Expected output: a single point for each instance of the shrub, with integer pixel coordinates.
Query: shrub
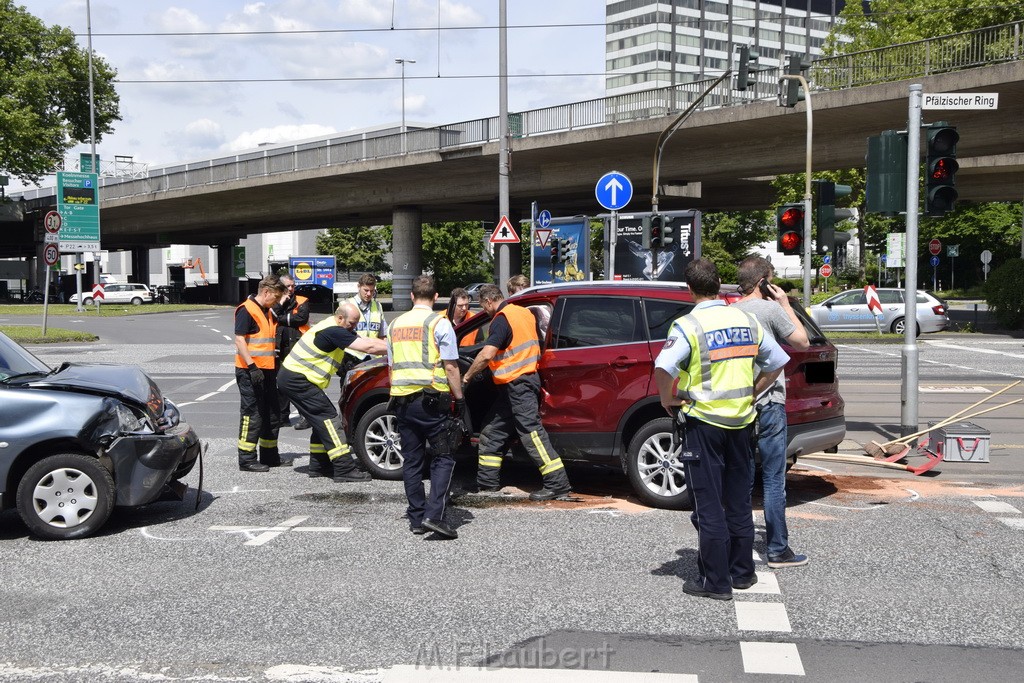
(384, 287)
(1004, 293)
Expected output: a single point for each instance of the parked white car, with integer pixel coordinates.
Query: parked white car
(849, 311)
(133, 293)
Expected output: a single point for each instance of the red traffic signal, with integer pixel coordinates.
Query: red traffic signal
(790, 225)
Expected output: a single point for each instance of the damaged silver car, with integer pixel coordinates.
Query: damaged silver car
(79, 439)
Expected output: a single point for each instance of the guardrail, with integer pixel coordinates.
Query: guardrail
(970, 49)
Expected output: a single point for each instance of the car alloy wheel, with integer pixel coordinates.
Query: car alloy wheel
(654, 469)
(66, 496)
(379, 444)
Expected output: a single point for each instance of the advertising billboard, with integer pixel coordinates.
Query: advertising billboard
(635, 262)
(575, 231)
(312, 270)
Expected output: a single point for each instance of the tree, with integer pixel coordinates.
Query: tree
(44, 94)
(359, 249)
(737, 233)
(454, 252)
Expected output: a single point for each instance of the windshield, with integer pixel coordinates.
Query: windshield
(15, 360)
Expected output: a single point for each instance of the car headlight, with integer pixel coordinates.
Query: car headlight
(133, 422)
(171, 416)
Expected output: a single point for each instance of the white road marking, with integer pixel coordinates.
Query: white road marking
(228, 338)
(997, 507)
(268, 536)
(972, 349)
(146, 534)
(837, 507)
(235, 489)
(771, 658)
(926, 360)
(945, 389)
(1013, 522)
(259, 535)
(420, 674)
(215, 330)
(914, 495)
(206, 396)
(762, 616)
(227, 386)
(767, 584)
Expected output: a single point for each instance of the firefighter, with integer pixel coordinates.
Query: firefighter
(458, 313)
(511, 352)
(715, 360)
(304, 376)
(423, 357)
(292, 322)
(256, 375)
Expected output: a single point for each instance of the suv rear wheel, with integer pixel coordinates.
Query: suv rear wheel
(378, 443)
(654, 470)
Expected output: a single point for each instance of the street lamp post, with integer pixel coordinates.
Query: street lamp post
(403, 62)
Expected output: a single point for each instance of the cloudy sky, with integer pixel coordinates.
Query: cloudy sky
(164, 50)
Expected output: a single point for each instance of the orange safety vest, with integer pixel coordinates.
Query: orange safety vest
(299, 300)
(522, 354)
(470, 338)
(262, 345)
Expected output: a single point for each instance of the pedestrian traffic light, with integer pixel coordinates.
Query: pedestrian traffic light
(826, 214)
(789, 219)
(790, 90)
(746, 68)
(885, 190)
(940, 169)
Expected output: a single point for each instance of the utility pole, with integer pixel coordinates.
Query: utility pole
(909, 353)
(807, 185)
(503, 257)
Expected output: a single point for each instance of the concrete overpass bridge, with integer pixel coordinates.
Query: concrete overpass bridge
(722, 158)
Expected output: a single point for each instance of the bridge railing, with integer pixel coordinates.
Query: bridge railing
(954, 52)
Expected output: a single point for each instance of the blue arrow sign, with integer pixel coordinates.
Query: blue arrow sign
(613, 191)
(935, 261)
(826, 259)
(544, 218)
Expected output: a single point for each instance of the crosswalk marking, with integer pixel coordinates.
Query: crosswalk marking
(767, 584)
(1013, 522)
(997, 507)
(762, 616)
(771, 658)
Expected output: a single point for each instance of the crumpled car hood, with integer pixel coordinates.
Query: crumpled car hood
(127, 382)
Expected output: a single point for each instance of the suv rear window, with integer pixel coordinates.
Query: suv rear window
(661, 313)
(596, 321)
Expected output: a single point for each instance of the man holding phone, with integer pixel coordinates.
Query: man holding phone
(770, 305)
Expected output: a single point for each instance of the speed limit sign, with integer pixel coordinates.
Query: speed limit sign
(52, 222)
(51, 254)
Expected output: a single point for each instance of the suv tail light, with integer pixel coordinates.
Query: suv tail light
(939, 310)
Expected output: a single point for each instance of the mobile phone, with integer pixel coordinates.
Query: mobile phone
(766, 291)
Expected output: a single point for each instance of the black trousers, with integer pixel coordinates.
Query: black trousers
(326, 435)
(720, 486)
(418, 423)
(258, 424)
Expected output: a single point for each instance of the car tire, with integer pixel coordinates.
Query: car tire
(88, 301)
(66, 496)
(898, 327)
(377, 443)
(654, 472)
(136, 301)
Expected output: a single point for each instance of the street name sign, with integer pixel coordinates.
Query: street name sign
(960, 100)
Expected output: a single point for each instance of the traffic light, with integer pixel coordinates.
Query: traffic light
(790, 221)
(790, 90)
(563, 250)
(645, 232)
(940, 169)
(746, 68)
(668, 233)
(826, 214)
(885, 190)
(555, 251)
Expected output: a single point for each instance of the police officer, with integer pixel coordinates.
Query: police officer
(292, 322)
(511, 352)
(715, 360)
(304, 376)
(423, 356)
(371, 317)
(256, 376)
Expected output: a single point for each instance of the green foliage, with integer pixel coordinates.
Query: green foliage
(736, 232)
(723, 259)
(44, 94)
(357, 250)
(455, 253)
(385, 287)
(1004, 293)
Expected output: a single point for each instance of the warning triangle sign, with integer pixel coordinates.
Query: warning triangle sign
(541, 236)
(504, 233)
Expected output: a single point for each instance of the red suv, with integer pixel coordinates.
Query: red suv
(599, 402)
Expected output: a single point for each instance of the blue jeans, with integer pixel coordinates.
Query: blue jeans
(771, 444)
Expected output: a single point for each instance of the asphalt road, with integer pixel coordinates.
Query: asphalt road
(279, 577)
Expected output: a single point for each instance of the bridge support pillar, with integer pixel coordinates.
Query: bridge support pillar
(407, 250)
(140, 265)
(228, 286)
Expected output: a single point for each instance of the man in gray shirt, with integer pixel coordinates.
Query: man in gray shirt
(770, 305)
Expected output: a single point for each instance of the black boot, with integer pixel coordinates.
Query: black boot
(320, 465)
(345, 470)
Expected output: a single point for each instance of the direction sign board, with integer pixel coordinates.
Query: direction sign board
(934, 247)
(78, 204)
(504, 233)
(894, 244)
(935, 261)
(826, 270)
(544, 218)
(51, 254)
(986, 256)
(613, 190)
(960, 100)
(52, 222)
